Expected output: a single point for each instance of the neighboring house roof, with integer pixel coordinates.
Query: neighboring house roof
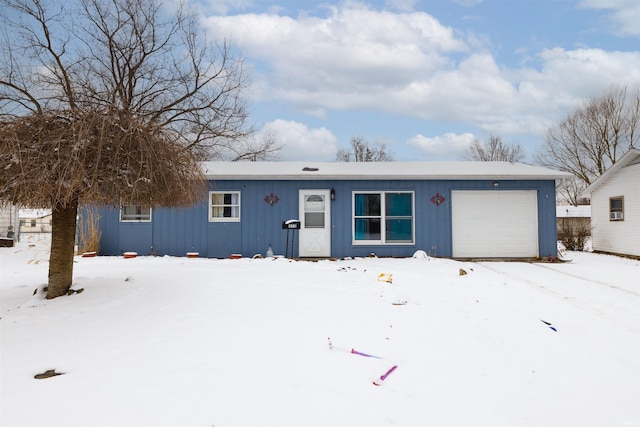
(33, 213)
(630, 158)
(582, 211)
(377, 170)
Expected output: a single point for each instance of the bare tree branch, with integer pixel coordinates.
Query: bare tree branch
(494, 150)
(115, 106)
(593, 137)
(362, 151)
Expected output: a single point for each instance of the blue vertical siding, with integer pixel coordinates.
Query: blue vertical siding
(178, 231)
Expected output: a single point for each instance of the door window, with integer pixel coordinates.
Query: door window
(314, 206)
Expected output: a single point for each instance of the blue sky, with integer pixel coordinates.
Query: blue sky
(423, 77)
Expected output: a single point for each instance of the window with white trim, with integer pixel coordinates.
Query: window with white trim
(383, 217)
(616, 209)
(224, 206)
(135, 213)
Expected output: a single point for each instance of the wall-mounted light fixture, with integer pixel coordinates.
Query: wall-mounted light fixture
(333, 194)
(496, 184)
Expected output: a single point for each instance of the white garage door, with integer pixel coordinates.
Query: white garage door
(495, 224)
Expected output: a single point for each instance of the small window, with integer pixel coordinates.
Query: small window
(383, 218)
(616, 209)
(314, 210)
(224, 206)
(134, 213)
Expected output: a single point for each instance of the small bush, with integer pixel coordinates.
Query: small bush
(574, 235)
(88, 231)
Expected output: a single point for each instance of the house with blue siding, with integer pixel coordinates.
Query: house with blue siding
(309, 209)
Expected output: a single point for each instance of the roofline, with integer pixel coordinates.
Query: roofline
(625, 160)
(307, 171)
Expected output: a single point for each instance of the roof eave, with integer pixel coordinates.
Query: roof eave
(386, 177)
(629, 157)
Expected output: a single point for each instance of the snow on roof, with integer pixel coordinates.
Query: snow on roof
(33, 213)
(582, 211)
(377, 170)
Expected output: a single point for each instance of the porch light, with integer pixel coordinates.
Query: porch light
(333, 194)
(496, 184)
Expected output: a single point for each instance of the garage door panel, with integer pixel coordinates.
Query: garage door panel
(495, 224)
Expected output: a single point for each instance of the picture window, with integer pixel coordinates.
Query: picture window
(383, 218)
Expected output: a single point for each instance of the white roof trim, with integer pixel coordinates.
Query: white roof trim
(582, 211)
(34, 213)
(629, 157)
(377, 170)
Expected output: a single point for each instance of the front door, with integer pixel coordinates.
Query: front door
(315, 223)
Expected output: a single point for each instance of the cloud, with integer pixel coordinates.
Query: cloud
(299, 142)
(356, 58)
(445, 147)
(624, 14)
(349, 52)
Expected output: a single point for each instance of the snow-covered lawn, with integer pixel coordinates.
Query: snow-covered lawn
(199, 342)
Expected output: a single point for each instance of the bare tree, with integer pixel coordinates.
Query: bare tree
(569, 191)
(362, 151)
(493, 150)
(109, 102)
(593, 137)
(253, 148)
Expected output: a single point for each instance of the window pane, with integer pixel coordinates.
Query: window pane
(367, 229)
(615, 204)
(398, 204)
(314, 220)
(367, 205)
(217, 211)
(135, 213)
(314, 203)
(399, 230)
(217, 198)
(128, 211)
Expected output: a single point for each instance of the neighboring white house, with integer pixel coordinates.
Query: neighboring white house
(35, 220)
(615, 207)
(8, 223)
(571, 219)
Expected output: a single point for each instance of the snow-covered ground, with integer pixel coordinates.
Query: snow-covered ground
(198, 342)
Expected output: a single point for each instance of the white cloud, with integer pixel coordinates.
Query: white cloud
(301, 143)
(408, 64)
(566, 77)
(350, 52)
(624, 14)
(448, 146)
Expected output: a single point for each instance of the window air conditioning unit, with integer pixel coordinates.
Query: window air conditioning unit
(615, 215)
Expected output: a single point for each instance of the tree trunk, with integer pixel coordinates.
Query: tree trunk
(63, 239)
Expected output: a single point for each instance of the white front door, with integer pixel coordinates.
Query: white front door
(315, 223)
